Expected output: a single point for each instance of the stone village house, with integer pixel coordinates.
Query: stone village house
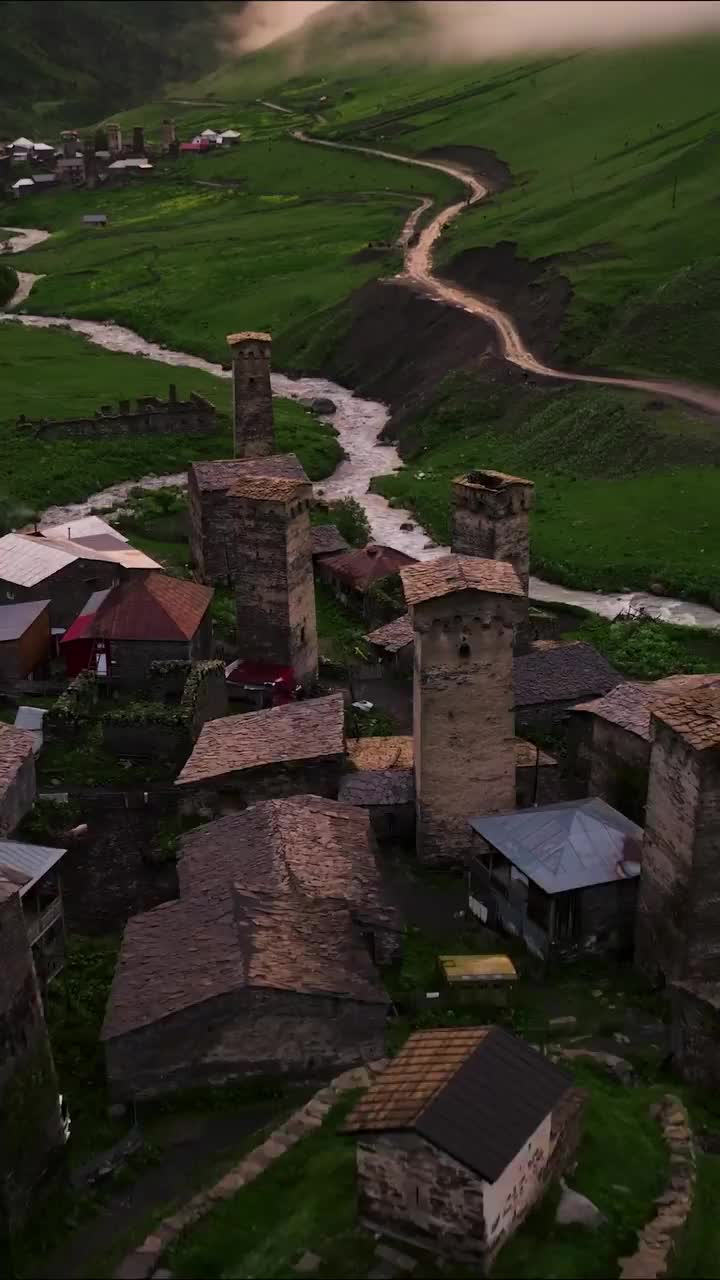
(460, 1138)
(288, 750)
(267, 963)
(35, 871)
(18, 786)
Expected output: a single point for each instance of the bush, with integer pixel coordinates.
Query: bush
(351, 521)
(8, 283)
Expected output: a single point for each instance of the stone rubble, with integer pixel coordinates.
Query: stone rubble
(656, 1241)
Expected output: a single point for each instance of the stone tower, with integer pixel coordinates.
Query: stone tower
(31, 1137)
(490, 513)
(114, 138)
(168, 133)
(253, 429)
(677, 933)
(275, 592)
(138, 144)
(463, 610)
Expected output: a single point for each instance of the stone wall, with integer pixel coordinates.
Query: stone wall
(151, 416)
(233, 791)
(241, 1034)
(130, 660)
(19, 797)
(653, 1256)
(464, 727)
(275, 592)
(551, 786)
(31, 1139)
(695, 1037)
(619, 763)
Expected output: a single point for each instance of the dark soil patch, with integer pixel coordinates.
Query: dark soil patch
(479, 161)
(396, 345)
(534, 292)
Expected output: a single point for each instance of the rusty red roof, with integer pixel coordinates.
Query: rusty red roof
(361, 566)
(155, 607)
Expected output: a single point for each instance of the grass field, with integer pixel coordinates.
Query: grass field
(55, 374)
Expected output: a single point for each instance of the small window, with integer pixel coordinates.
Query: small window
(464, 649)
(302, 635)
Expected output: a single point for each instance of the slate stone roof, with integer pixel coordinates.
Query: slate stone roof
(15, 747)
(263, 488)
(224, 472)
(561, 673)
(380, 753)
(394, 635)
(370, 787)
(493, 480)
(694, 717)
(476, 1093)
(268, 899)
(297, 731)
(327, 540)
(359, 567)
(155, 607)
(249, 336)
(629, 705)
(433, 578)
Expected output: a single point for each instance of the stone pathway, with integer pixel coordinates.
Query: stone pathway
(144, 1261)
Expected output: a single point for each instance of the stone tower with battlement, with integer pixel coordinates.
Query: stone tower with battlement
(275, 591)
(114, 139)
(464, 611)
(490, 514)
(31, 1136)
(677, 933)
(253, 428)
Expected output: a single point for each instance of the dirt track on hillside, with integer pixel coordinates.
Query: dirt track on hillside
(418, 273)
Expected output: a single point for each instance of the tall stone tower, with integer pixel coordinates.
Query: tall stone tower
(31, 1137)
(677, 933)
(253, 428)
(275, 589)
(463, 610)
(490, 513)
(167, 133)
(138, 144)
(114, 138)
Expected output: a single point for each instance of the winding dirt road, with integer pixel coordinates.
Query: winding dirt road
(418, 271)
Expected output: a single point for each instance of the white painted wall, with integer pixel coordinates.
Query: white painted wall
(518, 1185)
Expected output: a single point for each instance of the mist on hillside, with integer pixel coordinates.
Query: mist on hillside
(467, 30)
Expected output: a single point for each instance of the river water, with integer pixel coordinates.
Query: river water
(359, 423)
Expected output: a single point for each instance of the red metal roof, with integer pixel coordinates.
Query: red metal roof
(155, 607)
(362, 566)
(247, 672)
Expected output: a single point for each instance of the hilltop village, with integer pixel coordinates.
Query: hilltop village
(264, 946)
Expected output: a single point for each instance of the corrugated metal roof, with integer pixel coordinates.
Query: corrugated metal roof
(26, 561)
(25, 864)
(560, 847)
(16, 618)
(83, 527)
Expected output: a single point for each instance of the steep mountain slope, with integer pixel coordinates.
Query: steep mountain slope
(66, 62)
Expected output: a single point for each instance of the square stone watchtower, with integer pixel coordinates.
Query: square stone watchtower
(253, 427)
(463, 611)
(275, 589)
(490, 513)
(677, 932)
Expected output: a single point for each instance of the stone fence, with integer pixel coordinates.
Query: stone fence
(657, 1239)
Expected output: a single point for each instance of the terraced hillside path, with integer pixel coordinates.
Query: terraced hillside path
(418, 271)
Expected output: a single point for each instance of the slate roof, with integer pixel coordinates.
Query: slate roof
(16, 618)
(267, 900)
(297, 731)
(571, 845)
(394, 635)
(327, 540)
(369, 787)
(24, 864)
(380, 753)
(224, 472)
(155, 607)
(359, 567)
(561, 673)
(477, 1093)
(694, 716)
(263, 488)
(629, 705)
(250, 335)
(433, 578)
(15, 747)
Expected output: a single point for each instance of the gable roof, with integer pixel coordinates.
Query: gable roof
(369, 787)
(394, 635)
(431, 579)
(223, 473)
(359, 567)
(24, 864)
(267, 900)
(561, 673)
(15, 747)
(695, 717)
(476, 1093)
(629, 705)
(326, 540)
(296, 731)
(81, 528)
(571, 845)
(155, 607)
(16, 618)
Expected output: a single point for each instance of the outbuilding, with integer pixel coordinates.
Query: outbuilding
(459, 1138)
(24, 638)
